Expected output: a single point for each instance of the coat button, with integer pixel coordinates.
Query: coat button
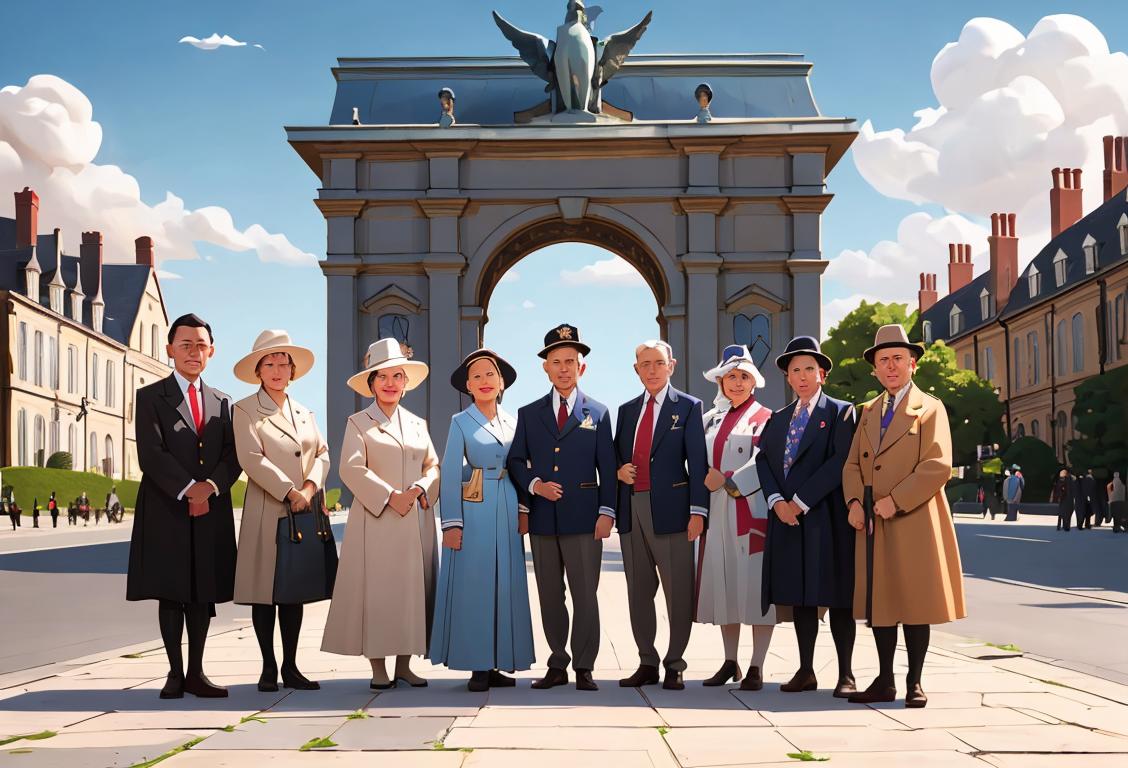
(865, 454)
(740, 450)
(199, 445)
(556, 449)
(297, 453)
(556, 469)
(201, 461)
(878, 467)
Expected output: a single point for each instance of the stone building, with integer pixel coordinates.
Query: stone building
(1038, 333)
(721, 218)
(81, 336)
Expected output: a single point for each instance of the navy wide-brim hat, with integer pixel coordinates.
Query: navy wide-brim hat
(461, 374)
(563, 335)
(804, 345)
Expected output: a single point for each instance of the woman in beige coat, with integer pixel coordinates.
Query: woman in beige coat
(285, 459)
(902, 453)
(384, 597)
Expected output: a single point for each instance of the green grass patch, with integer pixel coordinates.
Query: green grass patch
(175, 751)
(321, 743)
(20, 751)
(663, 730)
(253, 718)
(358, 715)
(806, 756)
(131, 656)
(1006, 647)
(29, 736)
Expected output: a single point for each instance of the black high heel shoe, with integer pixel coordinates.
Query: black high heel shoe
(292, 678)
(730, 670)
(268, 680)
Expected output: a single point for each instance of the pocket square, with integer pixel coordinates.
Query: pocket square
(587, 423)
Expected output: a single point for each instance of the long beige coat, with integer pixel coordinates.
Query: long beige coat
(385, 592)
(277, 456)
(917, 574)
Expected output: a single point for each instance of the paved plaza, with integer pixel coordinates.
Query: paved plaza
(988, 706)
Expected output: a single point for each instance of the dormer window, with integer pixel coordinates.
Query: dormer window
(1059, 269)
(1122, 228)
(1090, 249)
(955, 321)
(985, 304)
(926, 329)
(1034, 281)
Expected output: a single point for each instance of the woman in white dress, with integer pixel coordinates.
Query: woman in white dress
(731, 553)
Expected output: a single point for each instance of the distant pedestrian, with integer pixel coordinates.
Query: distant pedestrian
(35, 512)
(1064, 495)
(1116, 503)
(9, 510)
(1088, 501)
(53, 508)
(981, 499)
(1012, 492)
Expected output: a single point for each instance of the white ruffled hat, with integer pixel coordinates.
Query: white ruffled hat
(735, 357)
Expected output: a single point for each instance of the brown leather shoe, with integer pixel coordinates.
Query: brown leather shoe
(551, 679)
(915, 698)
(498, 680)
(846, 687)
(644, 675)
(803, 680)
(674, 681)
(584, 681)
(173, 687)
(878, 691)
(479, 682)
(730, 670)
(752, 681)
(200, 686)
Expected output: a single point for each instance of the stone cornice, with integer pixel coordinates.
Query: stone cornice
(705, 204)
(807, 266)
(336, 207)
(807, 203)
(704, 145)
(438, 207)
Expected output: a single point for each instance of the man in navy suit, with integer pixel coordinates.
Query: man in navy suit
(563, 455)
(663, 507)
(809, 551)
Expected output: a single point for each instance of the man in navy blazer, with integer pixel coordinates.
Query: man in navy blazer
(663, 508)
(809, 550)
(562, 454)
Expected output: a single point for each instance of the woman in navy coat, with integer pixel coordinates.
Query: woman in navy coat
(809, 553)
(482, 622)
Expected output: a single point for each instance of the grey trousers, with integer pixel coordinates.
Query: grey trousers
(578, 557)
(648, 557)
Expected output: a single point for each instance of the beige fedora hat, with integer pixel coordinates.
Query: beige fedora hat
(892, 335)
(387, 353)
(267, 343)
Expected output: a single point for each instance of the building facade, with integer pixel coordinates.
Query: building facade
(1038, 334)
(721, 218)
(81, 337)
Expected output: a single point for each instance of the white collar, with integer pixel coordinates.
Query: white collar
(658, 398)
(812, 402)
(571, 399)
(184, 384)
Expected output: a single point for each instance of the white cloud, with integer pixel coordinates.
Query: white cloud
(526, 304)
(1009, 108)
(214, 41)
(512, 276)
(166, 275)
(606, 272)
(48, 141)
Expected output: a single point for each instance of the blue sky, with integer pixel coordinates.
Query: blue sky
(207, 125)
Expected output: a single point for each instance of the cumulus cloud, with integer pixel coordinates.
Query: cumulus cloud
(526, 304)
(214, 41)
(48, 141)
(1009, 108)
(606, 272)
(512, 276)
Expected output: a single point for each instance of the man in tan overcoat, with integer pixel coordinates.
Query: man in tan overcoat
(907, 559)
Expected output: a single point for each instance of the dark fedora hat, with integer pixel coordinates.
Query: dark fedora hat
(461, 374)
(804, 345)
(892, 335)
(563, 335)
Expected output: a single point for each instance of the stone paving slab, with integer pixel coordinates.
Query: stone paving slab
(648, 740)
(279, 733)
(87, 757)
(336, 698)
(1040, 738)
(838, 740)
(441, 698)
(698, 747)
(388, 734)
(1054, 761)
(517, 758)
(328, 759)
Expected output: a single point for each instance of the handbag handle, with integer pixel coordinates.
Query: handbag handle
(294, 535)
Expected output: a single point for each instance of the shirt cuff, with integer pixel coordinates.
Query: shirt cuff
(699, 511)
(607, 512)
(522, 509)
(180, 496)
(452, 524)
(799, 503)
(773, 499)
(215, 488)
(533, 485)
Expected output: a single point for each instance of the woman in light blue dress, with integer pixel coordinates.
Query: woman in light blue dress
(482, 623)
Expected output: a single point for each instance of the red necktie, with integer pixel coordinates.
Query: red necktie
(194, 404)
(562, 415)
(643, 440)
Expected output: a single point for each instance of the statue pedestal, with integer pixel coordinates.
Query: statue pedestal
(577, 117)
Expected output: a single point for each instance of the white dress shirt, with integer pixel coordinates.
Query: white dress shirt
(570, 404)
(810, 410)
(184, 386)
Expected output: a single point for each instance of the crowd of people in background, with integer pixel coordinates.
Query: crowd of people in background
(80, 507)
(1089, 501)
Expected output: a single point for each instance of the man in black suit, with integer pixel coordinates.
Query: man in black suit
(183, 548)
(1088, 501)
(809, 552)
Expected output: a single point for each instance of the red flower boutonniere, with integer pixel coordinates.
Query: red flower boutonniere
(822, 425)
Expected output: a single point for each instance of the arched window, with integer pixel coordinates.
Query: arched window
(1035, 359)
(21, 352)
(1019, 431)
(72, 442)
(72, 368)
(1017, 361)
(53, 363)
(989, 363)
(926, 329)
(53, 433)
(94, 378)
(1060, 351)
(109, 461)
(92, 457)
(1078, 343)
(21, 438)
(38, 359)
(156, 341)
(40, 442)
(755, 333)
(1035, 429)
(1122, 228)
(110, 398)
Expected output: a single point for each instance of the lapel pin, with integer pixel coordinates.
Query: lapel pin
(675, 418)
(822, 425)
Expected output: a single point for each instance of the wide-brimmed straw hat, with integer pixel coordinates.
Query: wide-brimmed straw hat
(461, 374)
(268, 343)
(735, 357)
(387, 353)
(892, 335)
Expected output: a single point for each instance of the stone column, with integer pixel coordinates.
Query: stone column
(805, 263)
(674, 315)
(443, 265)
(342, 356)
(702, 268)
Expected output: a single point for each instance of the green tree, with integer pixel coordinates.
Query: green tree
(852, 378)
(60, 460)
(1102, 419)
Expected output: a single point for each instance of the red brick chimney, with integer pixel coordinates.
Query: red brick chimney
(27, 217)
(1004, 258)
(1065, 200)
(144, 249)
(927, 295)
(1115, 165)
(90, 264)
(959, 266)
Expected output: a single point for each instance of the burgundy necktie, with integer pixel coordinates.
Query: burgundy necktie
(562, 415)
(643, 440)
(194, 404)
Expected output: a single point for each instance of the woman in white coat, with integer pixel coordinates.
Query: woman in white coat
(285, 459)
(384, 596)
(731, 553)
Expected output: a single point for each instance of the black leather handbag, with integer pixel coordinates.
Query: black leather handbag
(306, 565)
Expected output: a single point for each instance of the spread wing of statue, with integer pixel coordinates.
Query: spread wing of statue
(576, 65)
